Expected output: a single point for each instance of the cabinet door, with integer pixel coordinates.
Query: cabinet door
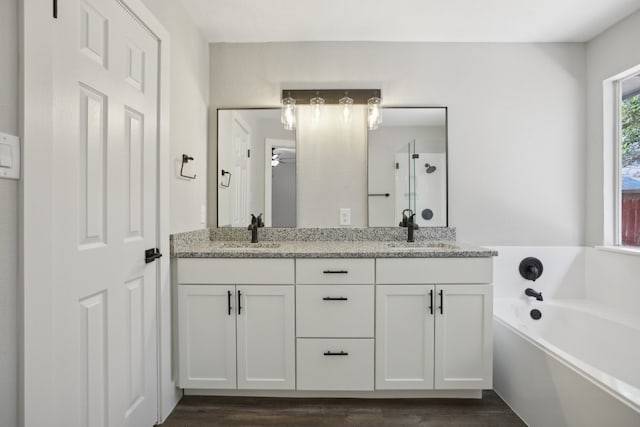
(464, 328)
(207, 331)
(266, 337)
(404, 337)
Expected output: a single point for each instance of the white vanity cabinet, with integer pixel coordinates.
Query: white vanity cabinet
(434, 336)
(362, 326)
(245, 329)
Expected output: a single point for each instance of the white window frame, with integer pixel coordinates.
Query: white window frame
(612, 97)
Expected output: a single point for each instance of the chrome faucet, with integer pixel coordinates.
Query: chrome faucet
(532, 293)
(255, 223)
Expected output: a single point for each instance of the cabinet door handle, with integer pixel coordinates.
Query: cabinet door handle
(335, 299)
(331, 353)
(335, 272)
(441, 302)
(229, 302)
(239, 304)
(431, 301)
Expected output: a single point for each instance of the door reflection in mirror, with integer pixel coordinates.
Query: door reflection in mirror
(246, 138)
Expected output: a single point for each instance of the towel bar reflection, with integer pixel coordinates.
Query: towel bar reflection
(223, 173)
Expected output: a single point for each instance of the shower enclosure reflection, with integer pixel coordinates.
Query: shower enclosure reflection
(409, 151)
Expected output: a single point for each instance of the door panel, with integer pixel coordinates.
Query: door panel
(404, 337)
(266, 337)
(464, 337)
(207, 334)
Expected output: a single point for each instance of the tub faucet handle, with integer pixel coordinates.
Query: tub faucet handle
(531, 268)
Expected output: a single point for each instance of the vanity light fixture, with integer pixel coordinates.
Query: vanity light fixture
(275, 158)
(346, 102)
(374, 116)
(316, 105)
(316, 98)
(288, 112)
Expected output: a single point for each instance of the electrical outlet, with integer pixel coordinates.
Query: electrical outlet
(345, 216)
(203, 214)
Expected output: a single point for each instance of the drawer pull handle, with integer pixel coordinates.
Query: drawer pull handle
(441, 302)
(431, 302)
(239, 304)
(335, 299)
(229, 302)
(335, 272)
(331, 353)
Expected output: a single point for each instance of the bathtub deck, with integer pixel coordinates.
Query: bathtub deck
(200, 411)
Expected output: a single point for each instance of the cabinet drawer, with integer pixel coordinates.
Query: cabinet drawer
(236, 271)
(334, 271)
(335, 364)
(335, 311)
(434, 270)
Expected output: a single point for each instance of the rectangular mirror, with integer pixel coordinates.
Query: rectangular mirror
(407, 160)
(332, 165)
(256, 168)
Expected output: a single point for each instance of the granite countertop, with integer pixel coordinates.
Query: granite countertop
(331, 249)
(324, 243)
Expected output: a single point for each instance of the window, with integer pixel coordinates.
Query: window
(628, 146)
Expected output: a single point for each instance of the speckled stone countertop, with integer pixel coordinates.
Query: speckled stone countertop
(324, 243)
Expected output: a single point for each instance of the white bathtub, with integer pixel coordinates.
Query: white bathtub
(579, 365)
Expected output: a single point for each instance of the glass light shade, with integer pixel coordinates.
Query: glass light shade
(288, 113)
(316, 105)
(374, 116)
(346, 103)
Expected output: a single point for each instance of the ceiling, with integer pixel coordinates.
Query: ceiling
(242, 21)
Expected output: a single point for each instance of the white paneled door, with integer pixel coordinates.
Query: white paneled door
(105, 197)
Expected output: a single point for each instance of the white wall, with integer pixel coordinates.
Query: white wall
(612, 280)
(563, 272)
(612, 52)
(8, 218)
(331, 168)
(189, 100)
(189, 113)
(516, 120)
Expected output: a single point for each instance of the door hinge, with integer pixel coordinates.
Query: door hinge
(415, 156)
(55, 9)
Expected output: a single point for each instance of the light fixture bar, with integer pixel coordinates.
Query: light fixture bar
(331, 96)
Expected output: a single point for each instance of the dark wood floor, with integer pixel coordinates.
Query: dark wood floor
(198, 411)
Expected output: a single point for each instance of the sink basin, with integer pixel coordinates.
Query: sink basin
(249, 245)
(423, 245)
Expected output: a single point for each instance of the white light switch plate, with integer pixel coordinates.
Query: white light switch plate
(9, 156)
